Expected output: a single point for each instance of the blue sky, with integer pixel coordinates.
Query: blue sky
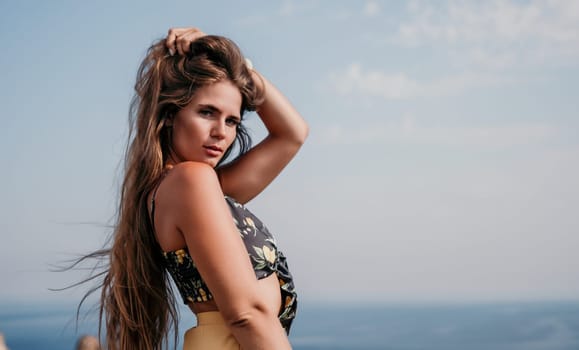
(442, 163)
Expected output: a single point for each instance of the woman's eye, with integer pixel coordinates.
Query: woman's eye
(233, 122)
(206, 112)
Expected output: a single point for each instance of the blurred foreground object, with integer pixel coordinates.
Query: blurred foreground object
(86, 342)
(2, 343)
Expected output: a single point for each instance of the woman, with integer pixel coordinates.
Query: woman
(181, 211)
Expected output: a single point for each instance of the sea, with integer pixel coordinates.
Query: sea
(548, 325)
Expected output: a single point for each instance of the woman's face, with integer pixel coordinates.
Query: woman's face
(206, 127)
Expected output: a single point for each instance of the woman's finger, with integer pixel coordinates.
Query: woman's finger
(171, 40)
(179, 39)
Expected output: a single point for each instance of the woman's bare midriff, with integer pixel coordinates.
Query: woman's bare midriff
(271, 292)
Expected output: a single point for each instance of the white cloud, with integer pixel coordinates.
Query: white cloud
(485, 58)
(287, 8)
(355, 79)
(371, 9)
(484, 21)
(393, 86)
(496, 34)
(407, 131)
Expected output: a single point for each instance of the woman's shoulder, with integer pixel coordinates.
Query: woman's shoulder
(190, 171)
(186, 177)
(189, 195)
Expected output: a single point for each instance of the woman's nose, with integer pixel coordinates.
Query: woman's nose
(218, 129)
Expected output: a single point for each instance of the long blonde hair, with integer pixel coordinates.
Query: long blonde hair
(137, 306)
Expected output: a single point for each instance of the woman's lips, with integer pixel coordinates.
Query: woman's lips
(213, 151)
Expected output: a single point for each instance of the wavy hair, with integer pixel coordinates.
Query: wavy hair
(137, 306)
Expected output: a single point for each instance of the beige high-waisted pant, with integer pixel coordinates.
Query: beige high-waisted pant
(211, 333)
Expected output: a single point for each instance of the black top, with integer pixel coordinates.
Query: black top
(263, 253)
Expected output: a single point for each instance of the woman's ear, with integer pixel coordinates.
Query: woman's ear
(169, 120)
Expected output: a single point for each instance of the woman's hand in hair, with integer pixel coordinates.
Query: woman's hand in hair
(179, 39)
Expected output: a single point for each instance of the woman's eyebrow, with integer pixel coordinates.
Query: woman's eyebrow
(209, 106)
(214, 108)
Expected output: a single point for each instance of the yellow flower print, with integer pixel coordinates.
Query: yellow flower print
(269, 254)
(203, 294)
(249, 222)
(180, 254)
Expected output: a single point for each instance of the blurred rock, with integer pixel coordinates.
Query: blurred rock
(2, 343)
(87, 342)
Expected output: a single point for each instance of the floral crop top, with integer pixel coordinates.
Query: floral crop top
(265, 258)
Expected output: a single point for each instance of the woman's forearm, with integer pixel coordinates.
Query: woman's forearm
(280, 118)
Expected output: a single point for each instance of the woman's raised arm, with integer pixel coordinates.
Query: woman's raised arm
(287, 130)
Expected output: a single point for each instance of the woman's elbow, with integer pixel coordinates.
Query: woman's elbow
(247, 316)
(304, 132)
(299, 134)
